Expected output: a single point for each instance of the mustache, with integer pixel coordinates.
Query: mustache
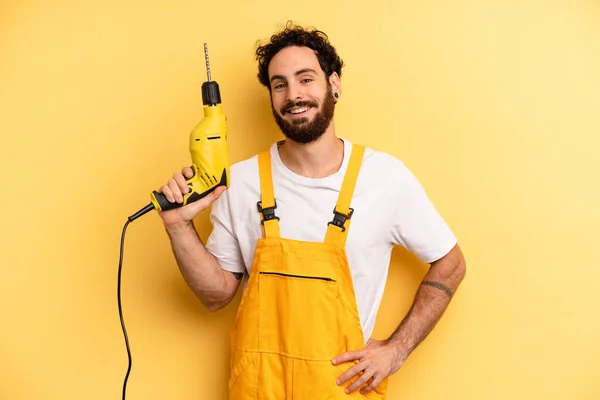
(287, 106)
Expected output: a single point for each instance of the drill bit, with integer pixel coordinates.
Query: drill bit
(207, 64)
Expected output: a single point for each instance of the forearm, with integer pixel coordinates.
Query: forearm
(199, 267)
(430, 302)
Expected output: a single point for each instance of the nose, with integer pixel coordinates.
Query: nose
(293, 92)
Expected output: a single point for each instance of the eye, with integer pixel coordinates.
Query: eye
(279, 86)
(306, 80)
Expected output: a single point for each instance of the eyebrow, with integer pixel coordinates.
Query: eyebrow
(299, 72)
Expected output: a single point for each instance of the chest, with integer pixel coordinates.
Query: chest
(304, 214)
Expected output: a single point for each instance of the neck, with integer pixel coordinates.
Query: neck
(317, 159)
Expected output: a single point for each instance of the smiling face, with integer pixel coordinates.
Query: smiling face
(301, 95)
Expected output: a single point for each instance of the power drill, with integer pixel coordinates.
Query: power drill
(208, 148)
(210, 164)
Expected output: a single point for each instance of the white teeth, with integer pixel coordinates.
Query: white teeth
(298, 110)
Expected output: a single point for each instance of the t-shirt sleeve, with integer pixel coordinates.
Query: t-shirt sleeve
(417, 225)
(222, 242)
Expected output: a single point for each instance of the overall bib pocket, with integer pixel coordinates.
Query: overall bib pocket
(297, 309)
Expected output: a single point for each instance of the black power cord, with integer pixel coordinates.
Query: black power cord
(121, 308)
(138, 214)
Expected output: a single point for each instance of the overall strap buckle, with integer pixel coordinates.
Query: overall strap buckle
(339, 219)
(267, 212)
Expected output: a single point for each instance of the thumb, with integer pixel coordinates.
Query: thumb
(215, 194)
(210, 198)
(219, 191)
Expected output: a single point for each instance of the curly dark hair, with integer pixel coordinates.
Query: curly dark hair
(294, 35)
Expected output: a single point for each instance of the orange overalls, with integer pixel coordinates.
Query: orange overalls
(298, 310)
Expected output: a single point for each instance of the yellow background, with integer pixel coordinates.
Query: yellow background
(493, 105)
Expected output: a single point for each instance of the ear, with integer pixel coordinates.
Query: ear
(336, 84)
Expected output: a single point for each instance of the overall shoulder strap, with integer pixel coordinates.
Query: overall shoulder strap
(267, 205)
(337, 229)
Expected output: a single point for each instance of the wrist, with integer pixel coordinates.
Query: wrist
(184, 227)
(399, 348)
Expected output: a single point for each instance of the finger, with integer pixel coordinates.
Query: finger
(187, 172)
(372, 386)
(180, 179)
(208, 199)
(216, 193)
(219, 191)
(168, 193)
(348, 356)
(350, 373)
(368, 374)
(174, 186)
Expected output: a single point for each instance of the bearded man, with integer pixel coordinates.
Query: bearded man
(310, 224)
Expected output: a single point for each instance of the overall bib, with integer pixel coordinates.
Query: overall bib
(298, 310)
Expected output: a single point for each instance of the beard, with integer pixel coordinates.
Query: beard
(302, 130)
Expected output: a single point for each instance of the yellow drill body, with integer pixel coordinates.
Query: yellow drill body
(209, 151)
(208, 148)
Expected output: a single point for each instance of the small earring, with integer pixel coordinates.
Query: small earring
(336, 95)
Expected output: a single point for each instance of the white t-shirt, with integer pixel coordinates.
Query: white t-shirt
(390, 208)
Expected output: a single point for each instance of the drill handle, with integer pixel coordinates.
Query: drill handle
(165, 204)
(197, 190)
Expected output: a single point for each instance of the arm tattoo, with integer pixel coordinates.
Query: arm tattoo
(438, 285)
(238, 275)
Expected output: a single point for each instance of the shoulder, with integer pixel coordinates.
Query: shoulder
(381, 158)
(382, 166)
